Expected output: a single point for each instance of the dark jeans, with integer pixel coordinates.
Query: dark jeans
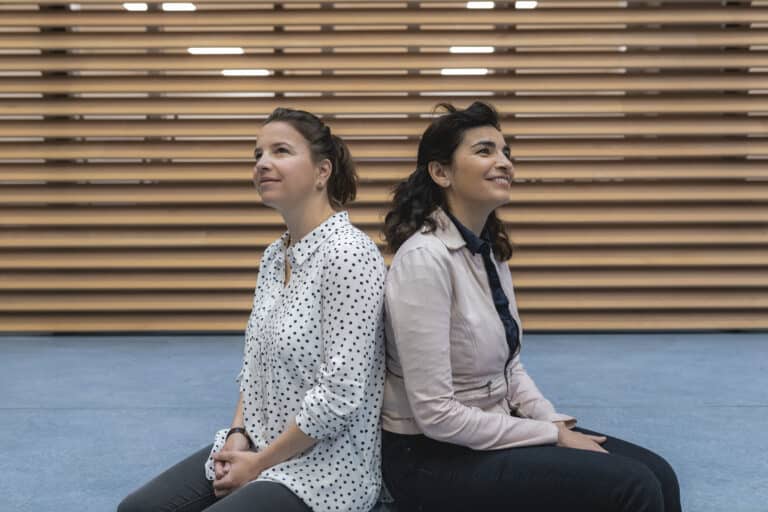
(184, 488)
(424, 474)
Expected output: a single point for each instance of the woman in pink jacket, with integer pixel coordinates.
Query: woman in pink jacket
(465, 427)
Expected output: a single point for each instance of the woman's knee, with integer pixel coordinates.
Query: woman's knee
(130, 504)
(639, 491)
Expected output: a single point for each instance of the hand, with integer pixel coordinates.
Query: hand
(235, 442)
(243, 466)
(571, 439)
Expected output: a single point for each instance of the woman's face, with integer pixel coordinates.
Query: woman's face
(481, 172)
(285, 174)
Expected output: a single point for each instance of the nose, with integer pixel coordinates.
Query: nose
(505, 163)
(261, 166)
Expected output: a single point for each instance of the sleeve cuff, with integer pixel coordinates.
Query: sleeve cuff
(570, 421)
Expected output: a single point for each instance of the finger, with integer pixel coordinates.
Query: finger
(221, 492)
(599, 448)
(222, 484)
(598, 439)
(224, 456)
(219, 469)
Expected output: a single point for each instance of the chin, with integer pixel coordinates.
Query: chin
(269, 200)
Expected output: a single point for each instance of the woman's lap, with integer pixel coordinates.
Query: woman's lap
(184, 488)
(443, 476)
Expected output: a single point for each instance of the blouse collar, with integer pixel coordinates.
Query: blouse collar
(299, 251)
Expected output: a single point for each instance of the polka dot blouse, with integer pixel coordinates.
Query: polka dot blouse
(314, 351)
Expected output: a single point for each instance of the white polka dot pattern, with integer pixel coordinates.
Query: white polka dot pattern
(314, 351)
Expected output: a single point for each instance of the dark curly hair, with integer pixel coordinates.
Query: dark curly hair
(416, 197)
(342, 184)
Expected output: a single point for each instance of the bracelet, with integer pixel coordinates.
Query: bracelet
(240, 430)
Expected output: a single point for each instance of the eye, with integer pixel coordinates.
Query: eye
(281, 150)
(257, 154)
(484, 151)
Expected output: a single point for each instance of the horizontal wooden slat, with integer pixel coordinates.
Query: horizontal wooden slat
(521, 236)
(546, 149)
(530, 214)
(638, 133)
(313, 17)
(640, 257)
(209, 301)
(522, 193)
(554, 126)
(670, 38)
(524, 279)
(386, 84)
(387, 172)
(670, 103)
(532, 321)
(668, 59)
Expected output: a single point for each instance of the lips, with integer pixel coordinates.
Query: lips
(501, 179)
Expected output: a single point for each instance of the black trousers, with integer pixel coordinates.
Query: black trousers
(184, 488)
(424, 474)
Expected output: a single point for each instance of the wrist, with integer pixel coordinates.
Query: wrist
(240, 431)
(257, 464)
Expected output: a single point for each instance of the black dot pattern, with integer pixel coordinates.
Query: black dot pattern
(314, 352)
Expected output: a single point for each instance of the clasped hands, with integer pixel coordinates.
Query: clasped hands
(235, 465)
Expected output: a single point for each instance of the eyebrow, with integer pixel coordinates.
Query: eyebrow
(274, 144)
(489, 143)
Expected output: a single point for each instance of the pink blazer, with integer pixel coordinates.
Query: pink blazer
(446, 351)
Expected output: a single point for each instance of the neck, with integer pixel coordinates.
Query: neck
(302, 220)
(471, 216)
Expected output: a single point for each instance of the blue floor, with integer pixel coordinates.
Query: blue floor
(86, 419)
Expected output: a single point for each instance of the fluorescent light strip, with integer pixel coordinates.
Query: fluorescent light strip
(216, 50)
(463, 71)
(481, 5)
(179, 6)
(135, 6)
(526, 5)
(472, 49)
(246, 72)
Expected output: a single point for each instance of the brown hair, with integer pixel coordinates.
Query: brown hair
(416, 197)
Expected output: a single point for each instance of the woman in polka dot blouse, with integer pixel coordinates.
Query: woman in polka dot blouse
(305, 435)
(465, 426)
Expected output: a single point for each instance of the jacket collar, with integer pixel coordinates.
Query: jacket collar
(299, 251)
(446, 231)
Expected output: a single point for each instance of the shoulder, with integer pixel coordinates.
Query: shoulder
(350, 240)
(421, 245)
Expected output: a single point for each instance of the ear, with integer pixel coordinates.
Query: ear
(324, 169)
(439, 174)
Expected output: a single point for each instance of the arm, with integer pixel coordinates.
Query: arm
(522, 393)
(525, 395)
(352, 297)
(418, 299)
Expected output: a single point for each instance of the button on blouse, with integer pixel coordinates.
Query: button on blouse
(314, 354)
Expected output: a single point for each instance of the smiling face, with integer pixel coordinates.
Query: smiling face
(480, 175)
(285, 173)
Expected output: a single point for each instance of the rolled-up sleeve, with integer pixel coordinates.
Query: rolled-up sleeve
(418, 299)
(352, 302)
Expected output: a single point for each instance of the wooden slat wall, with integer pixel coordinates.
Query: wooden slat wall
(638, 131)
